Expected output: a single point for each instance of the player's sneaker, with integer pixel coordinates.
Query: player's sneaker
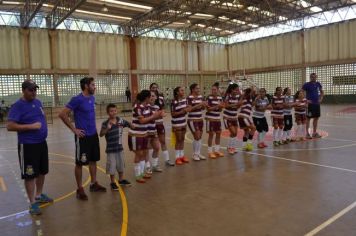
(179, 162)
(185, 160)
(316, 135)
(169, 163)
(212, 155)
(265, 145)
(43, 198)
(157, 169)
(276, 143)
(124, 182)
(95, 187)
(219, 154)
(147, 176)
(230, 150)
(140, 180)
(308, 136)
(114, 187)
(81, 194)
(201, 157)
(196, 157)
(34, 209)
(260, 145)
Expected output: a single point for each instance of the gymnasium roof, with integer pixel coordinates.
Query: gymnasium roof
(201, 20)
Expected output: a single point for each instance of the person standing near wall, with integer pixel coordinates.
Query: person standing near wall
(85, 134)
(128, 94)
(314, 94)
(27, 118)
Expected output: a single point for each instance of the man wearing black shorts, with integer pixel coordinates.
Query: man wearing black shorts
(27, 118)
(86, 137)
(314, 94)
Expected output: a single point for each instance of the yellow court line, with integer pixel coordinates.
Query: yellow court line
(2, 184)
(125, 214)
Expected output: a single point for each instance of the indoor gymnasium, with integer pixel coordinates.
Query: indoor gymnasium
(177, 117)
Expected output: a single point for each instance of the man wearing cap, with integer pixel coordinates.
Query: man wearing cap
(314, 94)
(27, 118)
(85, 134)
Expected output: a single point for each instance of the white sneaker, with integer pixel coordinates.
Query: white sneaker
(201, 157)
(196, 157)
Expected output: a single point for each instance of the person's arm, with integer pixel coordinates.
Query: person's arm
(105, 127)
(154, 116)
(13, 126)
(321, 93)
(64, 116)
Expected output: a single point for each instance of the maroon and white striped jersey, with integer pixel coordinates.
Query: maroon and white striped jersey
(137, 111)
(246, 108)
(177, 106)
(214, 101)
(193, 101)
(301, 106)
(151, 126)
(231, 113)
(277, 112)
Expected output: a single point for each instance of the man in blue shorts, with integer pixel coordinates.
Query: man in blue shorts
(314, 94)
(27, 118)
(85, 134)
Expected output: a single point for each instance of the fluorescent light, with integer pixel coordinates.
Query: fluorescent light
(226, 18)
(253, 8)
(218, 29)
(127, 4)
(253, 25)
(12, 3)
(204, 15)
(282, 18)
(229, 31)
(304, 3)
(316, 9)
(201, 25)
(239, 21)
(103, 15)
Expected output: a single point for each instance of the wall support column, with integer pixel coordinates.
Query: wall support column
(133, 68)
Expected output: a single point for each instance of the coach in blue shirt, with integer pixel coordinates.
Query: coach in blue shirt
(314, 94)
(85, 134)
(27, 118)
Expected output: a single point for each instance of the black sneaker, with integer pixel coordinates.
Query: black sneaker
(95, 187)
(114, 187)
(124, 182)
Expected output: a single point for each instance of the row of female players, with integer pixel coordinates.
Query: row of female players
(239, 109)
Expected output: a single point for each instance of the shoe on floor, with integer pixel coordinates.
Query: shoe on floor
(95, 187)
(43, 198)
(265, 145)
(114, 187)
(169, 163)
(147, 176)
(140, 180)
(230, 150)
(308, 136)
(201, 157)
(34, 209)
(276, 143)
(81, 194)
(185, 160)
(179, 162)
(157, 169)
(219, 154)
(260, 145)
(316, 135)
(195, 157)
(212, 155)
(124, 182)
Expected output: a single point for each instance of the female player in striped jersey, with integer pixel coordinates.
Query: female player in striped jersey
(179, 109)
(245, 120)
(137, 138)
(213, 121)
(232, 98)
(195, 120)
(153, 142)
(277, 116)
(287, 113)
(300, 112)
(261, 104)
(161, 132)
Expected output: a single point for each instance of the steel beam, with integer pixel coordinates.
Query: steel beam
(33, 13)
(77, 4)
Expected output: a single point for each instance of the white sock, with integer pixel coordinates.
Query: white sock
(210, 149)
(165, 155)
(181, 153)
(260, 137)
(303, 130)
(280, 134)
(199, 147)
(289, 134)
(234, 142)
(263, 136)
(195, 146)
(178, 154)
(155, 161)
(142, 167)
(275, 134)
(137, 169)
(230, 143)
(217, 148)
(284, 135)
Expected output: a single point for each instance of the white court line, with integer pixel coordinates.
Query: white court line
(291, 160)
(331, 220)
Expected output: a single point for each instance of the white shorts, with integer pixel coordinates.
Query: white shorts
(115, 163)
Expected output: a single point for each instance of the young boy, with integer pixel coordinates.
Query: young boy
(112, 128)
